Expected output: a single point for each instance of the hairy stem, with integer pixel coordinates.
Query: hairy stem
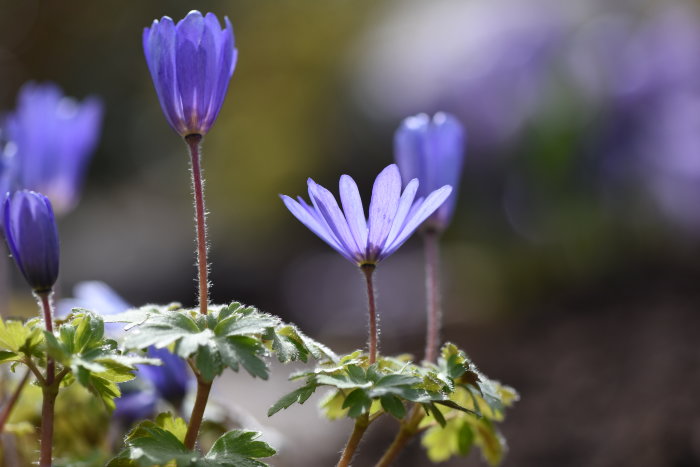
(193, 141)
(49, 389)
(358, 431)
(200, 403)
(368, 269)
(409, 428)
(7, 410)
(432, 288)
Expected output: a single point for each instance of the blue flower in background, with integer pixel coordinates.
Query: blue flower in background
(393, 216)
(169, 381)
(172, 379)
(191, 64)
(52, 137)
(32, 237)
(431, 150)
(136, 403)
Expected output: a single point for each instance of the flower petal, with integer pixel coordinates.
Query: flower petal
(354, 212)
(416, 218)
(327, 206)
(382, 208)
(405, 204)
(301, 212)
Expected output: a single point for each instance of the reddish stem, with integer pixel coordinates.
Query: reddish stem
(50, 390)
(432, 288)
(5, 415)
(197, 416)
(368, 269)
(193, 141)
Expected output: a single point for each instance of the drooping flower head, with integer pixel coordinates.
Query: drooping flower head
(191, 64)
(393, 215)
(431, 150)
(32, 237)
(51, 138)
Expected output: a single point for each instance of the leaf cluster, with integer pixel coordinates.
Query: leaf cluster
(21, 341)
(80, 347)
(229, 336)
(160, 443)
(385, 386)
(454, 432)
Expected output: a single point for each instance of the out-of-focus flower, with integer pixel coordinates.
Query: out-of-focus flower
(136, 403)
(53, 137)
(32, 237)
(172, 379)
(431, 150)
(393, 216)
(191, 64)
(169, 381)
(98, 296)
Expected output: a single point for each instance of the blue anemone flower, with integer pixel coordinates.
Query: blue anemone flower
(431, 150)
(51, 138)
(393, 216)
(191, 64)
(32, 237)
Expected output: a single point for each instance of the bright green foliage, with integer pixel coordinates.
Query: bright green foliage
(159, 443)
(228, 336)
(19, 341)
(450, 432)
(460, 404)
(93, 361)
(359, 388)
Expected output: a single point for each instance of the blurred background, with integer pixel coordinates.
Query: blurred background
(571, 267)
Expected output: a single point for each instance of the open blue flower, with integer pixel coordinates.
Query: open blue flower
(393, 216)
(32, 237)
(191, 64)
(52, 137)
(431, 150)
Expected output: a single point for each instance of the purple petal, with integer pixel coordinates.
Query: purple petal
(191, 68)
(303, 214)
(431, 203)
(354, 212)
(405, 204)
(327, 206)
(382, 208)
(159, 47)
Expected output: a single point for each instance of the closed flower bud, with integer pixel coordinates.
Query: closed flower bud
(191, 64)
(431, 150)
(32, 237)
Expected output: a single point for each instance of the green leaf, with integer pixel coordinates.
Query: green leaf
(175, 425)
(300, 395)
(150, 445)
(358, 402)
(154, 444)
(240, 449)
(243, 350)
(393, 405)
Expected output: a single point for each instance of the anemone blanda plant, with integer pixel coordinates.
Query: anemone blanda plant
(32, 238)
(191, 64)
(432, 150)
(50, 140)
(393, 216)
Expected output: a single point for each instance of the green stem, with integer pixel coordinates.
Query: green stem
(5, 415)
(361, 424)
